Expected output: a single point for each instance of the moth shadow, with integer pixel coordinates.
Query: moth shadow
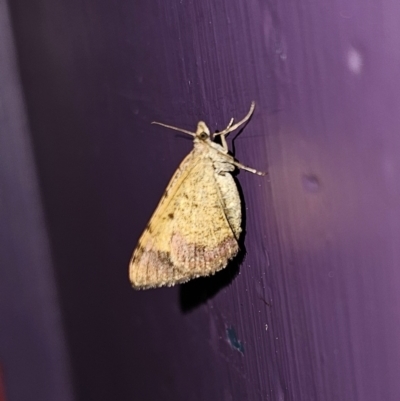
(197, 292)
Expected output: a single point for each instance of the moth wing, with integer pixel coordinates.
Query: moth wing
(189, 234)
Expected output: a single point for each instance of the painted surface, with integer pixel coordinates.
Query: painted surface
(33, 359)
(310, 311)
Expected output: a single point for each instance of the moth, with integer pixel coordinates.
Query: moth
(195, 228)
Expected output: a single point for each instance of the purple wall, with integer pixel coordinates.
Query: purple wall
(33, 357)
(314, 312)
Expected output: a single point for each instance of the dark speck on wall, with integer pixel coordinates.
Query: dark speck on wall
(233, 340)
(311, 183)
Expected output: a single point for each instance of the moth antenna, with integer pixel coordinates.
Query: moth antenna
(231, 127)
(174, 128)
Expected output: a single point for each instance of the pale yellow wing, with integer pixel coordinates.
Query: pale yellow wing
(189, 234)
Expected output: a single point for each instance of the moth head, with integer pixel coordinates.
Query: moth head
(202, 132)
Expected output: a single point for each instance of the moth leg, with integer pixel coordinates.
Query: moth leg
(223, 139)
(223, 142)
(231, 128)
(229, 124)
(251, 170)
(223, 167)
